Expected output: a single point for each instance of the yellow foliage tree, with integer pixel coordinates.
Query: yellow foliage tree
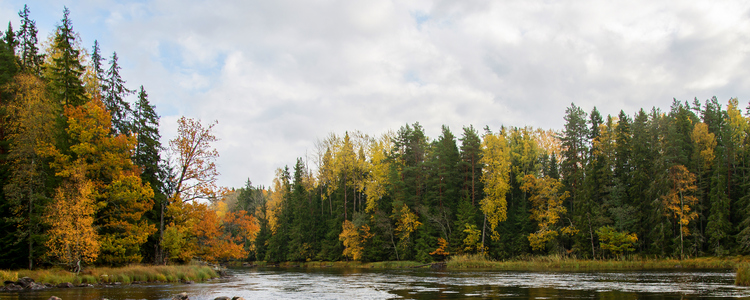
(120, 197)
(353, 238)
(375, 186)
(495, 176)
(406, 223)
(680, 199)
(546, 209)
(72, 238)
(29, 127)
(705, 143)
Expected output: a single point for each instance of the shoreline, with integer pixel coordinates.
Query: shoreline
(142, 274)
(476, 262)
(18, 280)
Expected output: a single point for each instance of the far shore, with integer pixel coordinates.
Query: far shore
(136, 274)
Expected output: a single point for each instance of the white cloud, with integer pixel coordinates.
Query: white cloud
(277, 75)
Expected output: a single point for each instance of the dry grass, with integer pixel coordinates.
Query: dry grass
(124, 275)
(560, 263)
(743, 274)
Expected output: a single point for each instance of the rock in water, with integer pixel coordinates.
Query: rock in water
(11, 287)
(222, 298)
(65, 285)
(238, 298)
(25, 281)
(54, 298)
(181, 296)
(35, 286)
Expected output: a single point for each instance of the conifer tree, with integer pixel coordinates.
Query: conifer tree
(96, 62)
(31, 59)
(65, 70)
(114, 98)
(471, 154)
(148, 145)
(10, 39)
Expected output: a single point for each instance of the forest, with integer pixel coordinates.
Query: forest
(86, 180)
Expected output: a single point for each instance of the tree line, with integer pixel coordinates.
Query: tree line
(83, 177)
(657, 184)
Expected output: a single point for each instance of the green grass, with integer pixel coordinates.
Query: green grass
(125, 275)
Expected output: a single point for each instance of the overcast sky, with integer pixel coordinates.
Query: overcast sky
(278, 75)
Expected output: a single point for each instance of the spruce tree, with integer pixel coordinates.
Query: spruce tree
(64, 73)
(96, 61)
(148, 145)
(31, 59)
(114, 98)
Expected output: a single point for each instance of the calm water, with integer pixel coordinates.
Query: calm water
(426, 284)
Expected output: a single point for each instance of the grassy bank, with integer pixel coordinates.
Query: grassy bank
(124, 275)
(557, 263)
(342, 264)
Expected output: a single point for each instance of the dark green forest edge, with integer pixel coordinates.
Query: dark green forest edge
(650, 190)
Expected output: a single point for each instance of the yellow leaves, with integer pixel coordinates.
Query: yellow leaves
(276, 200)
(680, 198)
(375, 186)
(496, 176)
(353, 238)
(546, 209)
(705, 143)
(406, 223)
(548, 141)
(472, 241)
(738, 126)
(72, 238)
(615, 241)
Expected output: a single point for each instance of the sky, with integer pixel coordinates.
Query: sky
(279, 75)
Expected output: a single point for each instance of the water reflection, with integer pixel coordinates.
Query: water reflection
(426, 284)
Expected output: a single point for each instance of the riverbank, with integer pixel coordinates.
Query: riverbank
(104, 275)
(541, 263)
(555, 263)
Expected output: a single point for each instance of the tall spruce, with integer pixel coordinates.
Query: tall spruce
(31, 59)
(114, 98)
(64, 73)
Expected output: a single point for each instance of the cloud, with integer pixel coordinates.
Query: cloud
(278, 75)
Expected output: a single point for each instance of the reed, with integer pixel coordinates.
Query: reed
(743, 274)
(125, 275)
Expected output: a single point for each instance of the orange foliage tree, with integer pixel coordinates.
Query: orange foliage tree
(72, 238)
(199, 231)
(120, 197)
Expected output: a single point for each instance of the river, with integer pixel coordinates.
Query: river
(353, 284)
